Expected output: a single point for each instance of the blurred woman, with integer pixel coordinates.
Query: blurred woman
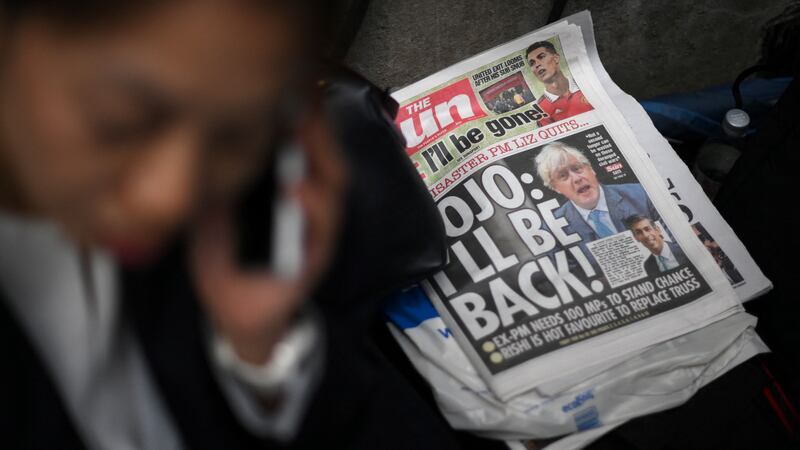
(123, 126)
(129, 132)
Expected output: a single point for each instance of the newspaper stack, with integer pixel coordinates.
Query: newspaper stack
(590, 280)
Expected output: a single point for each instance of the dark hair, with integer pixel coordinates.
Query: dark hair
(541, 44)
(633, 219)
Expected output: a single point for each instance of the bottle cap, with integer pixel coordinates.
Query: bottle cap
(735, 122)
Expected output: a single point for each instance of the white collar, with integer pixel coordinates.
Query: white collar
(666, 251)
(41, 276)
(601, 204)
(573, 87)
(95, 363)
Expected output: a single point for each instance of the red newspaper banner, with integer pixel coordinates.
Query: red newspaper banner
(430, 117)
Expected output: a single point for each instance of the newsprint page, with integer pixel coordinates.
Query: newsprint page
(578, 242)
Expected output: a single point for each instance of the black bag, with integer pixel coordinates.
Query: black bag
(392, 232)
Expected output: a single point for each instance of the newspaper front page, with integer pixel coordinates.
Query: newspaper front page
(566, 248)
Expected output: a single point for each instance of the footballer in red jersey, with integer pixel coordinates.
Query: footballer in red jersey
(562, 98)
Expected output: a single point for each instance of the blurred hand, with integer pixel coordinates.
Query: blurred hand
(253, 309)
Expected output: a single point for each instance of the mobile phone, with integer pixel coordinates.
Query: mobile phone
(270, 222)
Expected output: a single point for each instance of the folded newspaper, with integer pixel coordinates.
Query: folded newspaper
(590, 280)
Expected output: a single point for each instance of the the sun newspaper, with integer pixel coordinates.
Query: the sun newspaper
(569, 249)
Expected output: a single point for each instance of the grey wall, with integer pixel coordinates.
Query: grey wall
(648, 47)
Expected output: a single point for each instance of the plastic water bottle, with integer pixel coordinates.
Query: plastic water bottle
(717, 156)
